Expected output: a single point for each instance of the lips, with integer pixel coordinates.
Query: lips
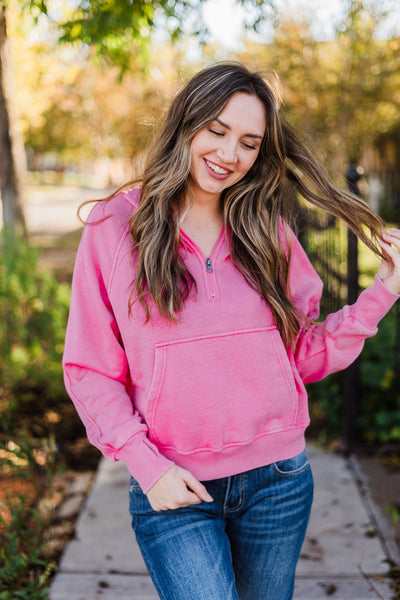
(216, 170)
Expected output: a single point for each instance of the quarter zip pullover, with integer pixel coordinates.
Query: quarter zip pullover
(219, 250)
(217, 392)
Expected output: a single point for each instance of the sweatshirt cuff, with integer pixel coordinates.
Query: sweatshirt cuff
(144, 461)
(374, 303)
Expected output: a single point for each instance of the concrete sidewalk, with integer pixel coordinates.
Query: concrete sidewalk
(346, 554)
(340, 558)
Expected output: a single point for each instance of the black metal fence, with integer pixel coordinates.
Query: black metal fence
(333, 250)
(324, 238)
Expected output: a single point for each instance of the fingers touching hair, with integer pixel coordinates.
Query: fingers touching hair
(253, 208)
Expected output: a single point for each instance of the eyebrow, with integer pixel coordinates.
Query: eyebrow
(251, 135)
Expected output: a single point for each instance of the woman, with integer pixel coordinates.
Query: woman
(192, 333)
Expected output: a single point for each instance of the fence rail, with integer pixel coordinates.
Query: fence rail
(333, 250)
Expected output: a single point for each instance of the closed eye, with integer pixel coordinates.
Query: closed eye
(219, 133)
(248, 146)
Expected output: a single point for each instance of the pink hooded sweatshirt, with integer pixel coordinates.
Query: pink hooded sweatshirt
(217, 393)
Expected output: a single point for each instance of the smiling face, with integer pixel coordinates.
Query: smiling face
(226, 149)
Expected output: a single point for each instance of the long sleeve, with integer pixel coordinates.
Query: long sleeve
(333, 344)
(96, 369)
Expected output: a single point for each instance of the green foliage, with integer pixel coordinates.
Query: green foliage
(378, 412)
(24, 569)
(379, 415)
(119, 28)
(326, 409)
(394, 511)
(33, 316)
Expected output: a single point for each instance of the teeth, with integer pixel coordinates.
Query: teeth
(216, 169)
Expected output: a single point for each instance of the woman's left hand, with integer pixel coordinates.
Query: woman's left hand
(389, 269)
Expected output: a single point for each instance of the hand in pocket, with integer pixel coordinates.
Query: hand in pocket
(175, 489)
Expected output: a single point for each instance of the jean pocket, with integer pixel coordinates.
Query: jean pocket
(137, 500)
(134, 486)
(291, 466)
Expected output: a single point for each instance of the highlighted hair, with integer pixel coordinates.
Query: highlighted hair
(254, 208)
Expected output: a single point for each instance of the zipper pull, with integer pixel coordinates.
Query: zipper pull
(209, 266)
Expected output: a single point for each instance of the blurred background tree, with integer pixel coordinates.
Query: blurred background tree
(112, 65)
(87, 107)
(82, 83)
(118, 31)
(343, 92)
(11, 150)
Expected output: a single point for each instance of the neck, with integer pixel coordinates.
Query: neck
(201, 211)
(203, 204)
(202, 222)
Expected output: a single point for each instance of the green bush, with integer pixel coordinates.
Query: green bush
(378, 410)
(33, 315)
(24, 573)
(25, 570)
(379, 415)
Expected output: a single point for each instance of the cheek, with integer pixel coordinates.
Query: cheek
(248, 163)
(198, 144)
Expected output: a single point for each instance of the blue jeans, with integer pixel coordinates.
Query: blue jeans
(244, 545)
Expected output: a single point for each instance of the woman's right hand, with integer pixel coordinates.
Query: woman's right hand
(175, 489)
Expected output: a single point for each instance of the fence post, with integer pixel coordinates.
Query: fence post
(350, 375)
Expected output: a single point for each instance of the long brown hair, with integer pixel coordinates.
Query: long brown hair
(253, 209)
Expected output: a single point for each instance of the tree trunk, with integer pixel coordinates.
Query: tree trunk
(10, 179)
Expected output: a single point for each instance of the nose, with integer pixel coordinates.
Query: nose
(227, 151)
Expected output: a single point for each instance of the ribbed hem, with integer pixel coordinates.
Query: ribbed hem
(238, 459)
(144, 461)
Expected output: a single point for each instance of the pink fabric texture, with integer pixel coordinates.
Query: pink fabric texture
(216, 393)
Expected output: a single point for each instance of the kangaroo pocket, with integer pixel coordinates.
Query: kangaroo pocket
(211, 392)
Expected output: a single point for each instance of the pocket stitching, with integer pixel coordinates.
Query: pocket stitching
(154, 391)
(297, 471)
(214, 336)
(161, 351)
(286, 371)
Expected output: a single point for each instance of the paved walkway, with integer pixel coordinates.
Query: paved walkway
(348, 545)
(345, 555)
